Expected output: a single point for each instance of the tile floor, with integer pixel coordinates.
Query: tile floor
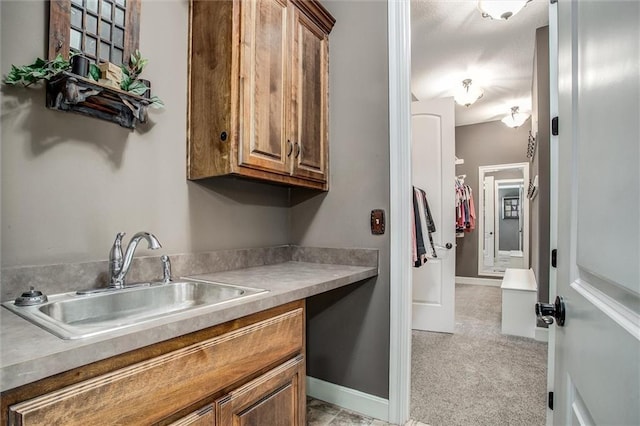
(320, 413)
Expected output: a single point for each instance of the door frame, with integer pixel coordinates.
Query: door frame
(400, 298)
(482, 170)
(399, 44)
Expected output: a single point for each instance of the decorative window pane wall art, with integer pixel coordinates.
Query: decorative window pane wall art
(103, 20)
(102, 30)
(511, 208)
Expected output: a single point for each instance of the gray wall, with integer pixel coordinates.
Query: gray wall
(69, 182)
(351, 327)
(482, 145)
(540, 257)
(509, 236)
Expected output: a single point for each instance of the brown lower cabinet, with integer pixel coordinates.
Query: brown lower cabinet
(249, 371)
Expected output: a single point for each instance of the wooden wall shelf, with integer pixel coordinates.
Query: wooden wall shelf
(70, 92)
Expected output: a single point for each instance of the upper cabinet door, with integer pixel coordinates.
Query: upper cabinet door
(264, 85)
(310, 93)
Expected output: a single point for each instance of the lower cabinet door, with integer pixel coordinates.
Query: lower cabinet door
(277, 398)
(203, 417)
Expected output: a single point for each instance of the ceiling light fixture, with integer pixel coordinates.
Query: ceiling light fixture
(467, 94)
(501, 9)
(516, 118)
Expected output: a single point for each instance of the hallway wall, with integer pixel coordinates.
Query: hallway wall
(484, 144)
(540, 127)
(351, 327)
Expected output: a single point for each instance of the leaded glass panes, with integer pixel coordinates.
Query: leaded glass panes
(103, 30)
(119, 17)
(90, 46)
(105, 9)
(92, 24)
(116, 55)
(104, 18)
(118, 37)
(105, 50)
(76, 17)
(92, 5)
(75, 39)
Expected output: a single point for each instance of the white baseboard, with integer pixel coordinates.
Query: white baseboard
(542, 334)
(351, 399)
(491, 282)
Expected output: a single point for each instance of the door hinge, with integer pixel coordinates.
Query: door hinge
(551, 400)
(554, 258)
(554, 126)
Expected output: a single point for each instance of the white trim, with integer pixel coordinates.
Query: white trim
(400, 207)
(542, 334)
(623, 316)
(499, 208)
(480, 219)
(553, 191)
(351, 399)
(490, 282)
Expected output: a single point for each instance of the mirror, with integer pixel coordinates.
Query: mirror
(503, 218)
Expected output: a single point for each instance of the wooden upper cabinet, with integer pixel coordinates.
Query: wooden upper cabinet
(264, 90)
(258, 91)
(310, 92)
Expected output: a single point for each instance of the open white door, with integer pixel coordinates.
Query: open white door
(433, 163)
(597, 351)
(489, 251)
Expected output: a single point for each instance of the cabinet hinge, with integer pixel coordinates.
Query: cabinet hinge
(554, 258)
(551, 400)
(554, 126)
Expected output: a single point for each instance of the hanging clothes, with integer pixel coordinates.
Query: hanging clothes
(465, 208)
(423, 227)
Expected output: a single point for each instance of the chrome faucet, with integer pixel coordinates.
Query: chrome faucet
(119, 265)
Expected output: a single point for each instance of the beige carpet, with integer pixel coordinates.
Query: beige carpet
(477, 376)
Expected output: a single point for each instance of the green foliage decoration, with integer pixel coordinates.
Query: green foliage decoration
(39, 70)
(130, 78)
(27, 75)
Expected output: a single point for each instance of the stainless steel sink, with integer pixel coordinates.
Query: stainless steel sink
(73, 316)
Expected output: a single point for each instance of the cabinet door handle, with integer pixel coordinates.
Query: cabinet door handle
(290, 145)
(297, 149)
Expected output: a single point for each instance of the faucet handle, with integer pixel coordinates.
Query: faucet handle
(115, 255)
(166, 269)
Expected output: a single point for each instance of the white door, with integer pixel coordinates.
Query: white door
(597, 352)
(433, 161)
(489, 222)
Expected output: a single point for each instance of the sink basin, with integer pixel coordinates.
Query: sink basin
(73, 316)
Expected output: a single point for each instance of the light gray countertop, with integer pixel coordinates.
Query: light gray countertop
(29, 353)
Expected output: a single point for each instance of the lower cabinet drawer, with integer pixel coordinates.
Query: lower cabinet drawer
(151, 390)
